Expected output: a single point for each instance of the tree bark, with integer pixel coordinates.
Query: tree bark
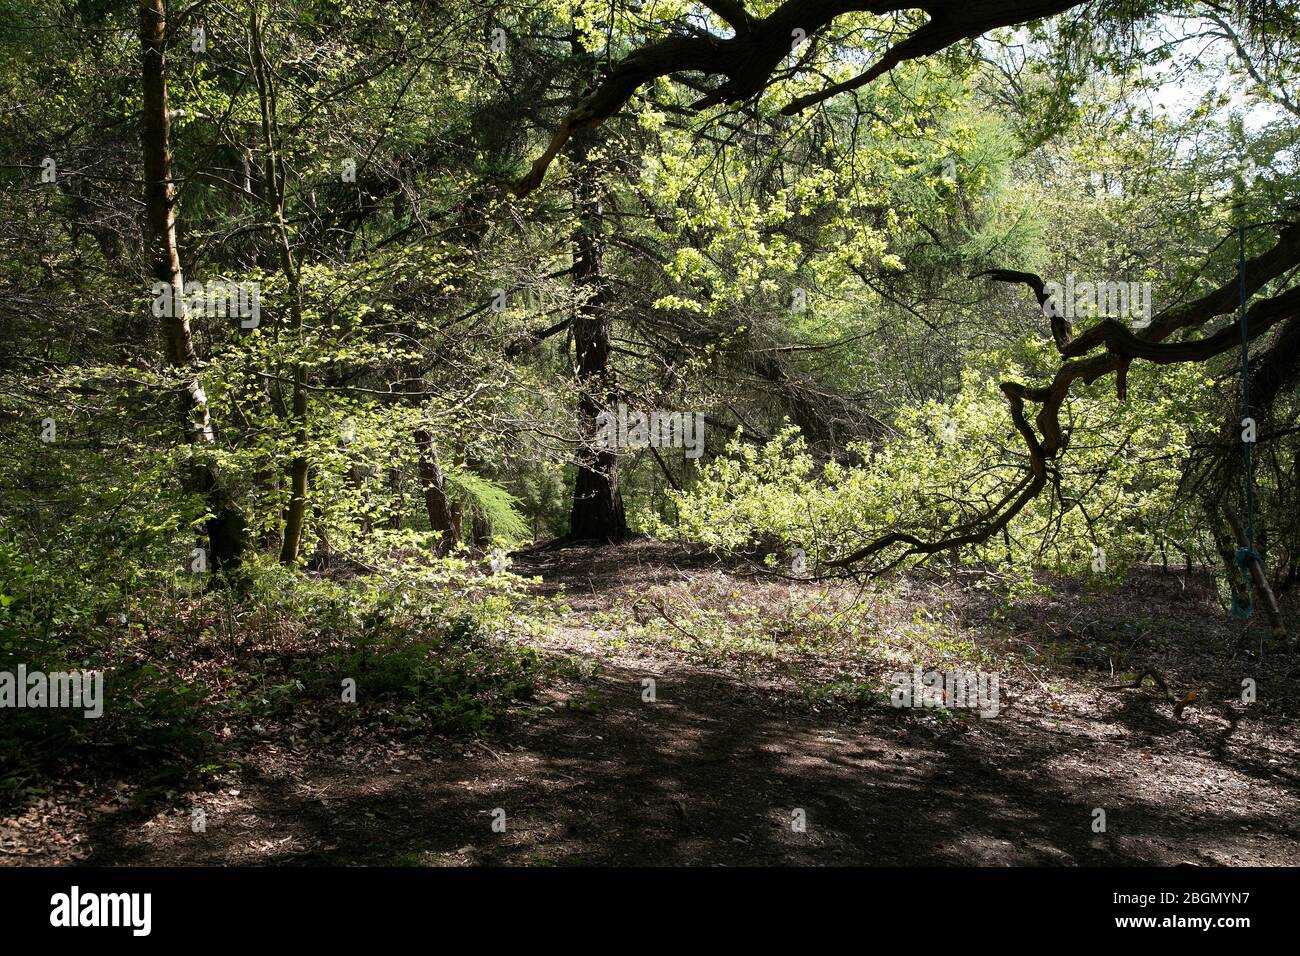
(480, 532)
(442, 517)
(597, 512)
(225, 525)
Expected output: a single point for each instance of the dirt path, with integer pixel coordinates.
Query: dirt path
(718, 770)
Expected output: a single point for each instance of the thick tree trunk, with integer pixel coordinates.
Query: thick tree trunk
(442, 517)
(225, 526)
(597, 503)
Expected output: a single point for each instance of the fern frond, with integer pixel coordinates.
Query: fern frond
(486, 498)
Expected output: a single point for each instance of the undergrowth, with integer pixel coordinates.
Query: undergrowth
(439, 646)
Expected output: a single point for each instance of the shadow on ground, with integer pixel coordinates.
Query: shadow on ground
(709, 774)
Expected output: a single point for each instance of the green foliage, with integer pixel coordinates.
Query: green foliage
(497, 507)
(948, 463)
(438, 648)
(759, 268)
(453, 682)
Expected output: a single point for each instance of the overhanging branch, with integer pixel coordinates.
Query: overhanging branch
(747, 61)
(1121, 347)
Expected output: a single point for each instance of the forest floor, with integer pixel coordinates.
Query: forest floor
(742, 741)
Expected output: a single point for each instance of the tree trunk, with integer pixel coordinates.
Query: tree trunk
(442, 517)
(225, 525)
(297, 513)
(1223, 544)
(296, 516)
(1257, 575)
(395, 491)
(597, 503)
(480, 532)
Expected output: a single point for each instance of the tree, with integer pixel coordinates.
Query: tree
(225, 524)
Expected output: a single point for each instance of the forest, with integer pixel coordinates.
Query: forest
(649, 433)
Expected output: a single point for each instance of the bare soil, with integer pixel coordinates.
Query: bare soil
(718, 769)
